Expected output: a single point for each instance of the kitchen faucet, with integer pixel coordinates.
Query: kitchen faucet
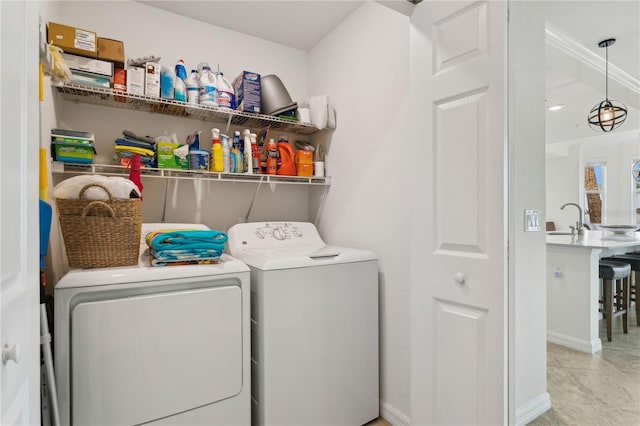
(579, 225)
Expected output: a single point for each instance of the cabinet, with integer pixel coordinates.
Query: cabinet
(107, 97)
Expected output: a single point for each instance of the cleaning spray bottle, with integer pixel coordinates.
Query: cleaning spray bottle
(285, 152)
(226, 153)
(272, 157)
(237, 165)
(255, 153)
(180, 92)
(248, 153)
(217, 162)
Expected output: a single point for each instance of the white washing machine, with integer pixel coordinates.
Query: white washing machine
(154, 345)
(314, 331)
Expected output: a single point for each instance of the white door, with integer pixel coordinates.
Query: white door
(19, 253)
(459, 315)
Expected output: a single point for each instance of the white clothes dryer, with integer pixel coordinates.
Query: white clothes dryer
(314, 326)
(154, 345)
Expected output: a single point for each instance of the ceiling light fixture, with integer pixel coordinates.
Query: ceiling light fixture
(556, 107)
(607, 115)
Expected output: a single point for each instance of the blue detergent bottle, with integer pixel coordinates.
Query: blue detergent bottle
(180, 93)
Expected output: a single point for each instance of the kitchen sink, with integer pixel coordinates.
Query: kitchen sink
(558, 233)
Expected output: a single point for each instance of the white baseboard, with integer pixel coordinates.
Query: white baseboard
(393, 416)
(573, 343)
(532, 409)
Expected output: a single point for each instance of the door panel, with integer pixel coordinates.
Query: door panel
(454, 323)
(460, 221)
(458, 70)
(153, 356)
(19, 285)
(460, 37)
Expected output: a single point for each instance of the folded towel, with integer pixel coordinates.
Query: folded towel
(186, 239)
(139, 151)
(181, 254)
(127, 142)
(128, 134)
(156, 262)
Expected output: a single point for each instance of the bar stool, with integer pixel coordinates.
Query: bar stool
(615, 292)
(633, 259)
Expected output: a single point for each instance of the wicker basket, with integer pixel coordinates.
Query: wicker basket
(100, 234)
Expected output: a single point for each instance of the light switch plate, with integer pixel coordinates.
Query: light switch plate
(532, 221)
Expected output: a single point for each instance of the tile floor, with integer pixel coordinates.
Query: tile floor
(598, 389)
(378, 422)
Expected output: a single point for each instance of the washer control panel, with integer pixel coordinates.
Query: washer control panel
(245, 236)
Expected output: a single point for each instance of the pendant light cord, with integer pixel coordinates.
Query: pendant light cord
(606, 73)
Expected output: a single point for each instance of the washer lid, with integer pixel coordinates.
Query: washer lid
(267, 259)
(284, 245)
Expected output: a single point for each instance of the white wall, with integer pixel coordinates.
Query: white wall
(364, 66)
(565, 173)
(527, 251)
(562, 186)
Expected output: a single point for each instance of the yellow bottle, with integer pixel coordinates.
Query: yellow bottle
(216, 164)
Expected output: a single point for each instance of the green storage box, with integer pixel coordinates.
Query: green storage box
(73, 152)
(167, 159)
(72, 146)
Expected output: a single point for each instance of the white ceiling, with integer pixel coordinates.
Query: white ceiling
(295, 23)
(301, 24)
(579, 86)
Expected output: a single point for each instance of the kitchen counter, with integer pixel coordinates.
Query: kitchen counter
(573, 285)
(596, 239)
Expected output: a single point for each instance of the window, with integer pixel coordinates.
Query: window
(594, 191)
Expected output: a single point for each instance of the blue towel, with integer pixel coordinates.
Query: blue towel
(183, 255)
(187, 240)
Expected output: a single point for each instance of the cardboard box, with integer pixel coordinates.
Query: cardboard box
(72, 153)
(152, 79)
(91, 79)
(135, 81)
(120, 83)
(111, 50)
(167, 159)
(247, 88)
(72, 146)
(73, 40)
(82, 63)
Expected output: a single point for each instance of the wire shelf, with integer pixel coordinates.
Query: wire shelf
(108, 97)
(114, 170)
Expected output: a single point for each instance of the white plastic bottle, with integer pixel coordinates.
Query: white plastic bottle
(208, 93)
(193, 88)
(180, 93)
(226, 93)
(226, 153)
(248, 163)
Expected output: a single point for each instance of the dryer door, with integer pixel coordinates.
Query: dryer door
(142, 358)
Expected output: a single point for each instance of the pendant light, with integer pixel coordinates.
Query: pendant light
(607, 115)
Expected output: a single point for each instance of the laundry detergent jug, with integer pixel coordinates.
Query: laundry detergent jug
(287, 164)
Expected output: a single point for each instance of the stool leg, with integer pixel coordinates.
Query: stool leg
(608, 306)
(635, 296)
(625, 304)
